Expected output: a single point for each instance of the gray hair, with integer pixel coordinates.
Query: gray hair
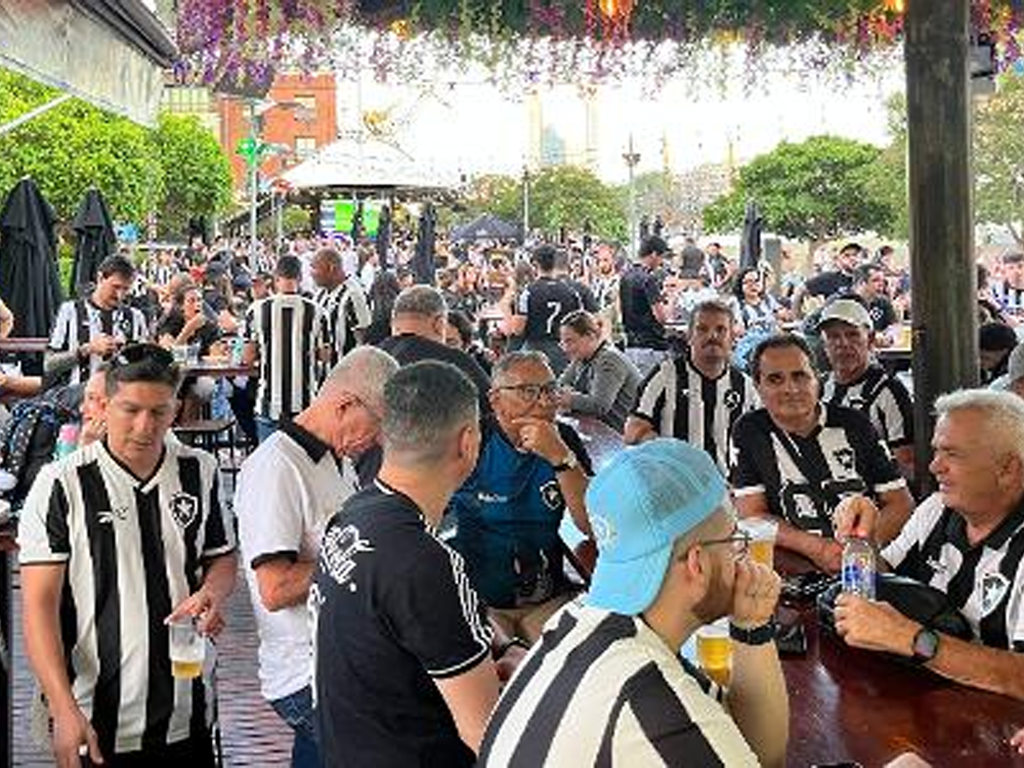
(425, 404)
(1002, 411)
(424, 300)
(712, 306)
(512, 360)
(363, 372)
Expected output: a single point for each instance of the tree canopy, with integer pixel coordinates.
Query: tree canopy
(177, 170)
(814, 190)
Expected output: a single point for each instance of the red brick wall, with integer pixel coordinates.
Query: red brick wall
(281, 125)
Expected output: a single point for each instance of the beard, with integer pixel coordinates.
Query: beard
(717, 601)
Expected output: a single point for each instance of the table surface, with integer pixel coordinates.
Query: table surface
(210, 368)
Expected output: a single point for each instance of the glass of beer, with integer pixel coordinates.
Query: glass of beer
(187, 648)
(762, 532)
(714, 651)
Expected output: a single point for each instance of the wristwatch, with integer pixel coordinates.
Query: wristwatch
(926, 645)
(756, 636)
(569, 462)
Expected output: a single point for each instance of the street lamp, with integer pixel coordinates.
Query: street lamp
(526, 204)
(632, 159)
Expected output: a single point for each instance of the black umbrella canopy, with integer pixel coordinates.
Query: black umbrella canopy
(96, 238)
(423, 260)
(29, 283)
(750, 245)
(383, 237)
(485, 227)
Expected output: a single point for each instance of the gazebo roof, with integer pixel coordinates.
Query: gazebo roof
(368, 164)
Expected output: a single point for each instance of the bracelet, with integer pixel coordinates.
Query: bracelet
(756, 636)
(499, 652)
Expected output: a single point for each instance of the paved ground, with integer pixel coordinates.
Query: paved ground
(252, 734)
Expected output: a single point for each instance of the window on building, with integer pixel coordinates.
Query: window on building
(305, 110)
(305, 146)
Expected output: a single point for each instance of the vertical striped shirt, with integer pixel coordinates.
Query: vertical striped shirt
(132, 550)
(601, 689)
(345, 311)
(679, 401)
(984, 580)
(884, 400)
(286, 329)
(79, 321)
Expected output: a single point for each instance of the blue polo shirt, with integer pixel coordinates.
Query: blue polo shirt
(508, 512)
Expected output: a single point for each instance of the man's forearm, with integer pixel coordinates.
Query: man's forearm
(991, 669)
(56, 363)
(283, 584)
(758, 701)
(43, 644)
(573, 484)
(220, 576)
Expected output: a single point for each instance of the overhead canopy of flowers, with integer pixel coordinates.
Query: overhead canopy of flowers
(519, 41)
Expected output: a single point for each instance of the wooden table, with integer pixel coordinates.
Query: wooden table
(25, 344)
(229, 370)
(601, 441)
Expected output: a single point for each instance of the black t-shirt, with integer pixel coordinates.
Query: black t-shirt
(882, 312)
(205, 336)
(804, 478)
(544, 303)
(639, 292)
(828, 284)
(393, 611)
(408, 348)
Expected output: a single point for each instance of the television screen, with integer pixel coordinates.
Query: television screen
(338, 216)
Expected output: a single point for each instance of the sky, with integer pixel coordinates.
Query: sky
(467, 123)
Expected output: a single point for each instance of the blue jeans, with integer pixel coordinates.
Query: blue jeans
(265, 428)
(296, 709)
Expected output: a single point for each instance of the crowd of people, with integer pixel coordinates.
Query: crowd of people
(415, 452)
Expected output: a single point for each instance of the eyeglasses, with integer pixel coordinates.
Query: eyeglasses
(740, 541)
(137, 353)
(532, 392)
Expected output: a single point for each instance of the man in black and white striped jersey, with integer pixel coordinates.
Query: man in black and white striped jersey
(967, 540)
(115, 539)
(698, 396)
(605, 684)
(402, 663)
(346, 313)
(89, 330)
(284, 332)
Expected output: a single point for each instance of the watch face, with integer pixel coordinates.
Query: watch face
(926, 644)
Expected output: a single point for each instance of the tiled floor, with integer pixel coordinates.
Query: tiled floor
(252, 734)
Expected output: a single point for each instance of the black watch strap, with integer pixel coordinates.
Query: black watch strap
(756, 636)
(499, 651)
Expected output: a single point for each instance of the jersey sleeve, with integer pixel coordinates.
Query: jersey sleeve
(43, 529)
(360, 307)
(60, 336)
(435, 612)
(894, 411)
(745, 472)
(652, 289)
(219, 527)
(651, 397)
(877, 465)
(911, 538)
(264, 484)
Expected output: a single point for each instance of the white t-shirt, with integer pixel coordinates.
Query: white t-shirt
(287, 492)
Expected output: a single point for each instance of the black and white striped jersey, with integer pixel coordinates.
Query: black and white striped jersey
(345, 311)
(286, 329)
(603, 689)
(984, 580)
(803, 478)
(679, 401)
(79, 321)
(133, 550)
(883, 398)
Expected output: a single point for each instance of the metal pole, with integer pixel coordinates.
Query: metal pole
(945, 317)
(279, 201)
(253, 186)
(526, 204)
(34, 113)
(632, 159)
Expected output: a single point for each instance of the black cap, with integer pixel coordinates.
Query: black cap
(653, 244)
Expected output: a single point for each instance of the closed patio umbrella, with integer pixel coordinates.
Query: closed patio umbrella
(29, 283)
(750, 244)
(383, 237)
(423, 259)
(96, 239)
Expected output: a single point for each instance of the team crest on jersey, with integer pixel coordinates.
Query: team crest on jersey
(993, 588)
(733, 399)
(551, 495)
(845, 458)
(184, 508)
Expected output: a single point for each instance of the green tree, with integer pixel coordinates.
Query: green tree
(999, 157)
(196, 172)
(74, 147)
(886, 177)
(814, 191)
(496, 194)
(574, 198)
